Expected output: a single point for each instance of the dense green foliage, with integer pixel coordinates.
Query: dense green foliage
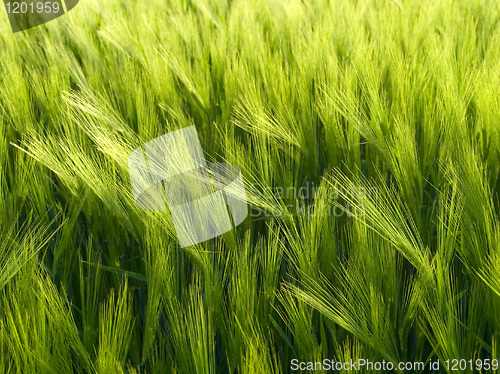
(390, 109)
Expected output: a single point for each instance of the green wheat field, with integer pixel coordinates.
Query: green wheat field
(368, 136)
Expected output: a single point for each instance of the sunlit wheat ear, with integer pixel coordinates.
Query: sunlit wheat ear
(18, 247)
(387, 215)
(490, 274)
(115, 315)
